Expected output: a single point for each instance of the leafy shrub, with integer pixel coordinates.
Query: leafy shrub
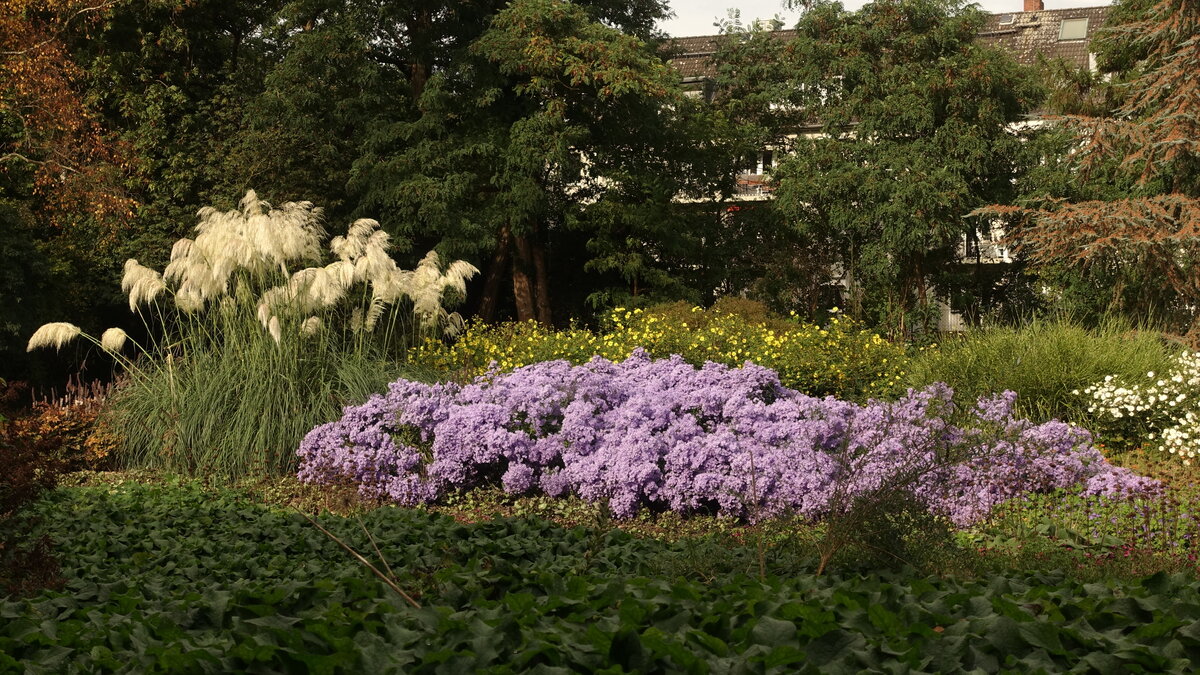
(1046, 361)
(252, 354)
(29, 465)
(663, 434)
(840, 359)
(56, 436)
(69, 428)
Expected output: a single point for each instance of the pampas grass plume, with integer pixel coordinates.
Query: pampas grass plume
(53, 335)
(113, 339)
(141, 283)
(189, 300)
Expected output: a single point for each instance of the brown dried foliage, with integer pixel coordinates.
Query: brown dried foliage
(77, 170)
(55, 437)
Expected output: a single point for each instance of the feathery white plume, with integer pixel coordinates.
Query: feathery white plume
(112, 340)
(342, 273)
(274, 329)
(53, 335)
(273, 297)
(454, 324)
(426, 284)
(310, 326)
(189, 299)
(182, 249)
(374, 312)
(141, 283)
(350, 247)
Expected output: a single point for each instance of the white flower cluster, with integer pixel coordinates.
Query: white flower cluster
(1165, 406)
(1181, 439)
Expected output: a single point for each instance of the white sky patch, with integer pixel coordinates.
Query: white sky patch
(697, 17)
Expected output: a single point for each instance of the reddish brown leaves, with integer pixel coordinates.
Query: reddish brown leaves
(77, 171)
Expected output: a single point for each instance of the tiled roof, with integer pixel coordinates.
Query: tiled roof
(695, 54)
(1026, 34)
(1023, 34)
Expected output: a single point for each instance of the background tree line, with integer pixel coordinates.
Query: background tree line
(549, 143)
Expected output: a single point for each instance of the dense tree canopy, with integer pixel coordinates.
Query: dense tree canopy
(524, 142)
(905, 126)
(550, 143)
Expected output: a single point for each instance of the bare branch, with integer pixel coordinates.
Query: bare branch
(16, 155)
(408, 598)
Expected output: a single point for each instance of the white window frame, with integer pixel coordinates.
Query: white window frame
(1069, 29)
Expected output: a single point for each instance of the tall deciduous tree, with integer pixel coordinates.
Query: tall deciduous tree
(171, 80)
(1123, 209)
(553, 117)
(908, 129)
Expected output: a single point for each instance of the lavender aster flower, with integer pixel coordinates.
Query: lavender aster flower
(664, 434)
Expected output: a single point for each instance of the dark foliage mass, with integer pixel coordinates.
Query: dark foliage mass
(549, 143)
(545, 141)
(169, 580)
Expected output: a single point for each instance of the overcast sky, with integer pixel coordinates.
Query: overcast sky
(696, 17)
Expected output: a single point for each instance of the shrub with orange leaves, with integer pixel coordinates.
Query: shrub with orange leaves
(67, 432)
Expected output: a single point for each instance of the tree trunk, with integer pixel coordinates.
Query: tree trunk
(541, 282)
(237, 48)
(495, 273)
(853, 290)
(923, 299)
(418, 73)
(418, 76)
(522, 284)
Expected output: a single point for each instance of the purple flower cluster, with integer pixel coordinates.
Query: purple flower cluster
(664, 434)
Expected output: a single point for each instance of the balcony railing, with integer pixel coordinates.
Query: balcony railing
(753, 185)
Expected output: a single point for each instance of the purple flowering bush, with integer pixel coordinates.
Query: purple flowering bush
(664, 434)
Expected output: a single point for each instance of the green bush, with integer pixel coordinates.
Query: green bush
(840, 359)
(1045, 362)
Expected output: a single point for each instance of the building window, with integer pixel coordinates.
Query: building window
(1007, 19)
(757, 165)
(1073, 29)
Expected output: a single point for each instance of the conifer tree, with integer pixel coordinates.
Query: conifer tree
(1123, 212)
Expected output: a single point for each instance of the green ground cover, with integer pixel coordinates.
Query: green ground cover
(169, 578)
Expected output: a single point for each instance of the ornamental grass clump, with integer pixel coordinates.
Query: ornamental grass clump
(255, 338)
(665, 435)
(1046, 360)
